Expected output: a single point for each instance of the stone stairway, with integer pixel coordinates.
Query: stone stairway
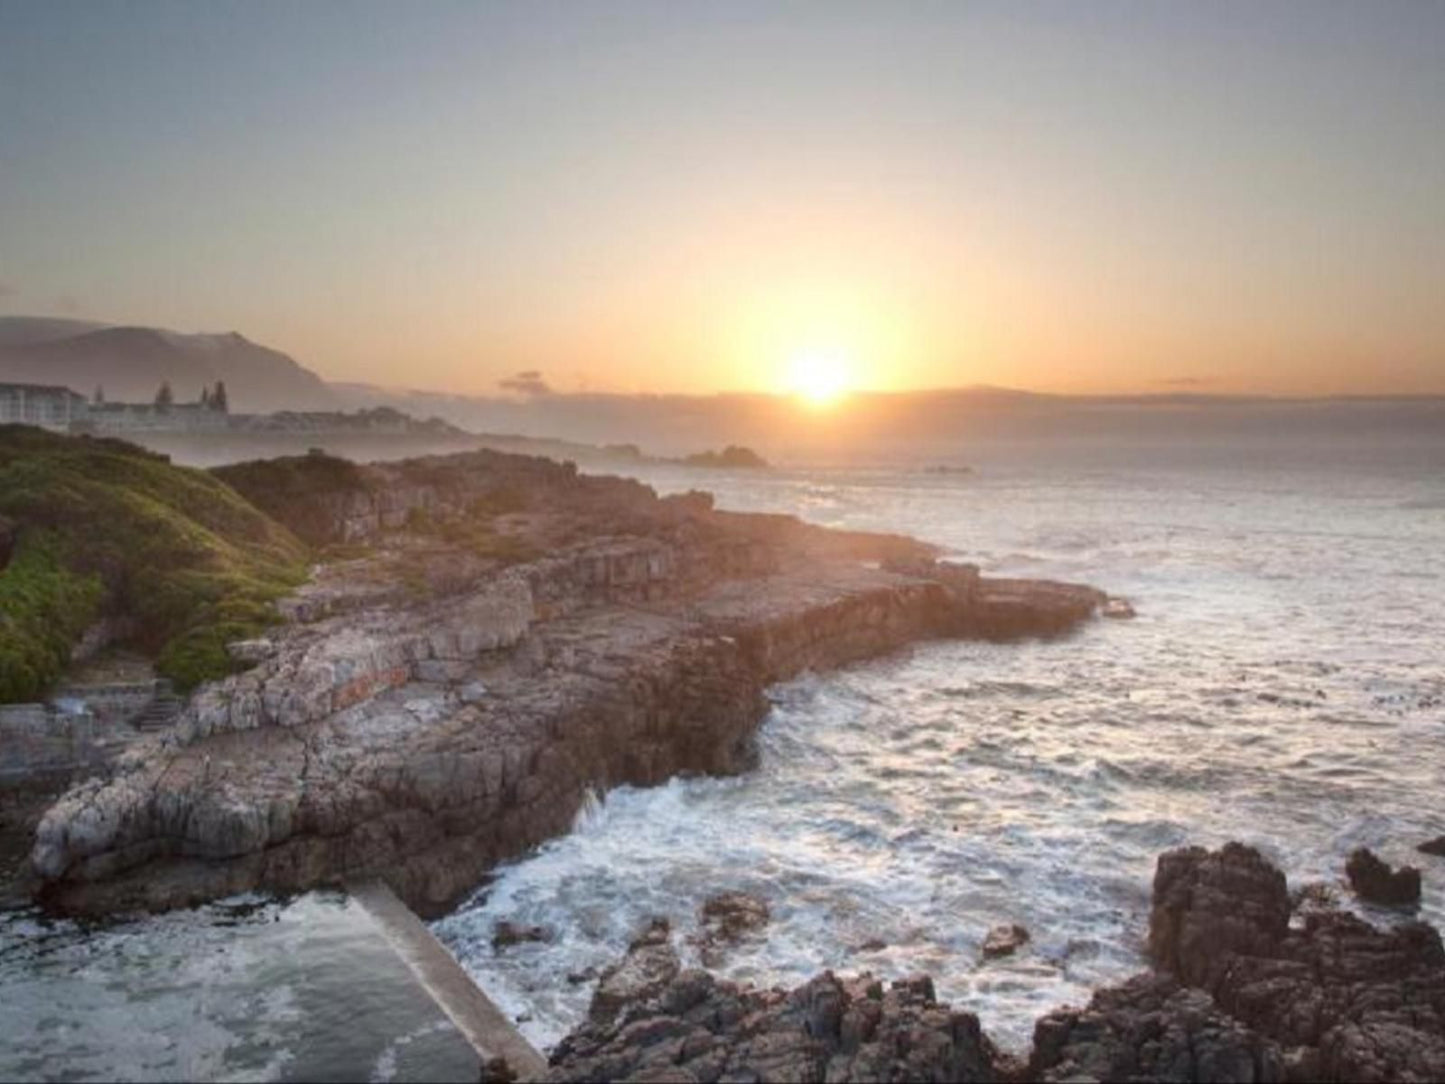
(160, 712)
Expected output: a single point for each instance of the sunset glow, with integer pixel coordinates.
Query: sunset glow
(1071, 200)
(819, 378)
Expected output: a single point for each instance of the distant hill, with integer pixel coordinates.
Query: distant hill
(131, 362)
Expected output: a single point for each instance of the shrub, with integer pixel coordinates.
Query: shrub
(44, 608)
(106, 526)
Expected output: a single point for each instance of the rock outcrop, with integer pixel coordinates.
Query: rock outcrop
(651, 963)
(1347, 1000)
(1151, 1028)
(1374, 881)
(725, 920)
(1004, 940)
(435, 709)
(697, 1028)
(1242, 992)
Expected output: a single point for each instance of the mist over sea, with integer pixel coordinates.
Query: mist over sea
(1282, 684)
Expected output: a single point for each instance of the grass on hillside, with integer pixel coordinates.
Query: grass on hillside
(290, 490)
(301, 492)
(104, 526)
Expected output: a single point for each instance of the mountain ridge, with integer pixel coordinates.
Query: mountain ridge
(131, 361)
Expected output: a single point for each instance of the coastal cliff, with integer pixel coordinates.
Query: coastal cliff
(514, 635)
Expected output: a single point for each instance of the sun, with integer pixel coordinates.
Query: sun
(818, 378)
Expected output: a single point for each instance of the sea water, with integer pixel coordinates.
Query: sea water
(1283, 684)
(248, 989)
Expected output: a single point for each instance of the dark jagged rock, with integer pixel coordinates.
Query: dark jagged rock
(1373, 880)
(505, 934)
(1150, 1028)
(1349, 1001)
(1240, 995)
(730, 915)
(650, 964)
(1434, 847)
(1209, 906)
(1005, 940)
(698, 1028)
(726, 919)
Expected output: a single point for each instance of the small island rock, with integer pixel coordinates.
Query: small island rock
(1375, 882)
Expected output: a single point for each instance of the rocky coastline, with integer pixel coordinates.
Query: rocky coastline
(1248, 983)
(514, 635)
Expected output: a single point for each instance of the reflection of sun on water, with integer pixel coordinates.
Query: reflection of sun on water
(818, 378)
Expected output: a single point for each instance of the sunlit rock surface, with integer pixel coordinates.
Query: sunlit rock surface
(429, 712)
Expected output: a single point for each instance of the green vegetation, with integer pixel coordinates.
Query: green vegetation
(294, 489)
(92, 527)
(474, 532)
(102, 526)
(43, 609)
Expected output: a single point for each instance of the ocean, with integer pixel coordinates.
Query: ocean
(1282, 684)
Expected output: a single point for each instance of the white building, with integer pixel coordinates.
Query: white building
(47, 405)
(150, 418)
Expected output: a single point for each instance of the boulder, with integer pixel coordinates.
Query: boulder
(730, 915)
(1004, 940)
(650, 964)
(1209, 905)
(1434, 847)
(1375, 882)
(505, 934)
(727, 918)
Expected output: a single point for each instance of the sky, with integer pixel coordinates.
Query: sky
(690, 197)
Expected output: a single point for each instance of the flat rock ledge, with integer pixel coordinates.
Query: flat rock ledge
(421, 741)
(1242, 990)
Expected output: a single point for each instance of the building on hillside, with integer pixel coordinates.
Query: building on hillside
(153, 418)
(47, 405)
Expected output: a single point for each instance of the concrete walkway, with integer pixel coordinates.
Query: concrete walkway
(485, 1026)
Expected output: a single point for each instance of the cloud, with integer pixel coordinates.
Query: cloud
(529, 382)
(67, 305)
(1188, 381)
(7, 289)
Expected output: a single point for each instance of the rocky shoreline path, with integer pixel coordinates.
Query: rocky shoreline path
(512, 635)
